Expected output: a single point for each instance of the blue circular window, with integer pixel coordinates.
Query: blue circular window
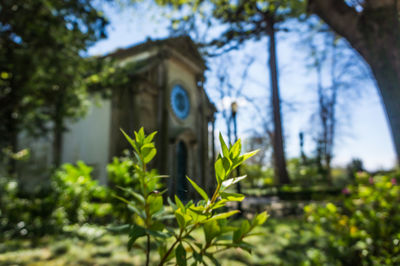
(180, 101)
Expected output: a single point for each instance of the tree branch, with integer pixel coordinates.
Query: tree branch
(342, 18)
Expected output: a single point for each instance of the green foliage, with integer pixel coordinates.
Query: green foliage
(178, 244)
(76, 192)
(304, 173)
(26, 215)
(365, 229)
(42, 68)
(245, 20)
(120, 172)
(257, 176)
(71, 197)
(355, 166)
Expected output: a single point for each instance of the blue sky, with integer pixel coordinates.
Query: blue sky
(362, 131)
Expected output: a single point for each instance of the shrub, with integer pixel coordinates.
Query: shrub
(365, 229)
(177, 243)
(78, 195)
(23, 214)
(71, 197)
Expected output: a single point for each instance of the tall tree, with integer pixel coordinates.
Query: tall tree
(372, 28)
(41, 65)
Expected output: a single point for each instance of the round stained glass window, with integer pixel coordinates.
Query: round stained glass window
(180, 101)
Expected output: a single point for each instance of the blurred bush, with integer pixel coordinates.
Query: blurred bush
(365, 229)
(78, 195)
(25, 214)
(71, 197)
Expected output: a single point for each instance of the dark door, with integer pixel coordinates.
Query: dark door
(181, 181)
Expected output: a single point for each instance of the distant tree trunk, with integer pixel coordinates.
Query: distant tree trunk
(12, 129)
(375, 33)
(332, 113)
(58, 128)
(13, 141)
(278, 154)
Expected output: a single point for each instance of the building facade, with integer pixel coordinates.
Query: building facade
(167, 96)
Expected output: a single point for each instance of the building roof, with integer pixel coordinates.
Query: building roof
(182, 45)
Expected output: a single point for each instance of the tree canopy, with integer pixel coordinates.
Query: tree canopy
(42, 64)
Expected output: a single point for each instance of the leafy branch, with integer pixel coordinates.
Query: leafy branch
(150, 214)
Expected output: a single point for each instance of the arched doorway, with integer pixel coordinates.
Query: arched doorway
(181, 171)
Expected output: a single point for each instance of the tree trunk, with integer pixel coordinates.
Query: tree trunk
(57, 142)
(389, 85)
(280, 170)
(374, 33)
(13, 137)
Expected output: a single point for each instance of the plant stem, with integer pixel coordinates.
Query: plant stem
(214, 198)
(164, 258)
(148, 251)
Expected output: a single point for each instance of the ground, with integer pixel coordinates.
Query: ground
(93, 245)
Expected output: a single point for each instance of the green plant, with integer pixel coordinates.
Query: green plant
(77, 191)
(120, 172)
(365, 229)
(177, 243)
(25, 214)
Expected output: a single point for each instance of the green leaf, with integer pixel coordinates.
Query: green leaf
(202, 193)
(121, 199)
(119, 228)
(229, 182)
(173, 206)
(224, 148)
(133, 208)
(135, 233)
(148, 152)
(223, 215)
(156, 203)
(211, 230)
(241, 232)
(260, 219)
(150, 137)
(219, 204)
(213, 260)
(232, 196)
(157, 233)
(131, 141)
(180, 218)
(219, 171)
(236, 148)
(246, 246)
(136, 195)
(227, 163)
(140, 136)
(179, 203)
(198, 257)
(180, 254)
(249, 154)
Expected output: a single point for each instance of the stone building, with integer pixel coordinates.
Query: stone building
(167, 96)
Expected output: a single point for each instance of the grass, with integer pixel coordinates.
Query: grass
(93, 245)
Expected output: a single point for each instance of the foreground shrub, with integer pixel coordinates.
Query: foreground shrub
(365, 229)
(177, 244)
